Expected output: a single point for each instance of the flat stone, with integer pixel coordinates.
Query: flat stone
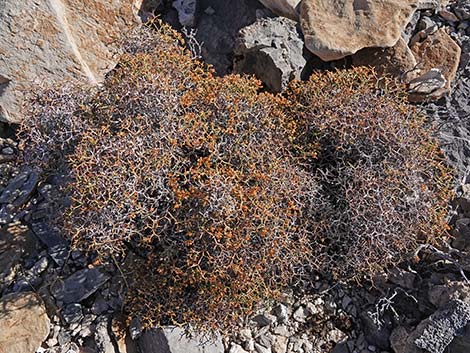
(24, 324)
(336, 29)
(78, 286)
(19, 189)
(47, 41)
(174, 340)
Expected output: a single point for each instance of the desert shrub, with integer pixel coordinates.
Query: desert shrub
(189, 172)
(214, 196)
(384, 182)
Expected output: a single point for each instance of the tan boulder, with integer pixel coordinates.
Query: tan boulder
(285, 8)
(335, 29)
(397, 61)
(24, 324)
(53, 40)
(437, 52)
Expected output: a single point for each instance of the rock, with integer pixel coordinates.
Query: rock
(286, 8)
(448, 16)
(397, 61)
(402, 342)
(78, 286)
(336, 336)
(431, 85)
(462, 9)
(432, 4)
(16, 243)
(47, 41)
(282, 313)
(452, 112)
(174, 340)
(186, 12)
(135, 328)
(438, 51)
(218, 31)
(280, 344)
(57, 247)
(17, 193)
(272, 50)
(440, 295)
(435, 333)
(301, 314)
(264, 319)
(336, 29)
(376, 333)
(72, 313)
(24, 324)
(461, 343)
(103, 339)
(235, 348)
(260, 349)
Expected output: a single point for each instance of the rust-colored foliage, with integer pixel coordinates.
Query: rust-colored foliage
(190, 170)
(384, 181)
(219, 195)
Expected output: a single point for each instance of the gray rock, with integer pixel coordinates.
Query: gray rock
(217, 32)
(438, 331)
(57, 247)
(174, 340)
(102, 335)
(235, 348)
(261, 349)
(462, 9)
(72, 313)
(426, 84)
(264, 319)
(282, 313)
(135, 328)
(19, 190)
(78, 286)
(187, 10)
(301, 314)
(452, 115)
(272, 50)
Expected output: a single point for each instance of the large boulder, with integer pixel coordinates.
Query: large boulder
(286, 8)
(335, 29)
(272, 50)
(24, 324)
(53, 40)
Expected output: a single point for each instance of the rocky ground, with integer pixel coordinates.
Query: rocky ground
(69, 302)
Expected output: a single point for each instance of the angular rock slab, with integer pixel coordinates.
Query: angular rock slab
(272, 50)
(52, 40)
(335, 29)
(174, 340)
(78, 286)
(437, 51)
(285, 8)
(24, 324)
